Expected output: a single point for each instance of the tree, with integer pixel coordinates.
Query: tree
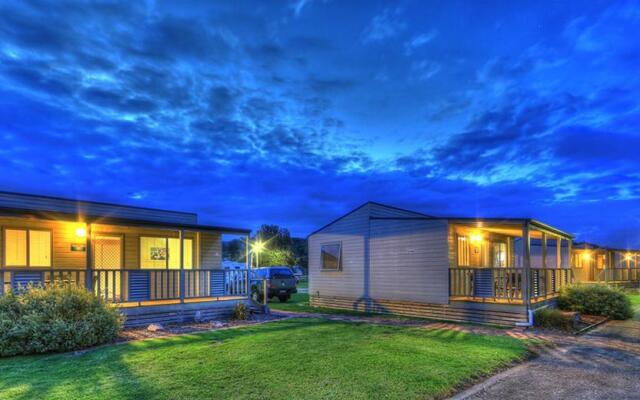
(233, 250)
(280, 248)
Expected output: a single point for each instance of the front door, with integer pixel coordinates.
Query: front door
(107, 262)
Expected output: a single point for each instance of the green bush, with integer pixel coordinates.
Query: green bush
(55, 319)
(240, 311)
(553, 318)
(596, 300)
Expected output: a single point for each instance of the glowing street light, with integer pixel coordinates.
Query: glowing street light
(258, 247)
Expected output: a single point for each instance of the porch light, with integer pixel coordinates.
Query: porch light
(81, 232)
(476, 237)
(627, 257)
(586, 256)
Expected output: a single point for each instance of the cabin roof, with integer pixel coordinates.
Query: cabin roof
(455, 219)
(105, 219)
(102, 203)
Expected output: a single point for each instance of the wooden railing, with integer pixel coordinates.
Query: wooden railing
(486, 283)
(20, 278)
(505, 284)
(545, 282)
(617, 275)
(139, 285)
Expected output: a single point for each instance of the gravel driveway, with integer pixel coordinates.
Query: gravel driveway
(604, 364)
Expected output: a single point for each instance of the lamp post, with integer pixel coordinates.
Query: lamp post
(258, 246)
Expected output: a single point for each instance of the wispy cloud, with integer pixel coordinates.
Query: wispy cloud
(384, 26)
(425, 69)
(418, 41)
(298, 6)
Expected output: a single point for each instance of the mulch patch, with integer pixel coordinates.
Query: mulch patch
(141, 333)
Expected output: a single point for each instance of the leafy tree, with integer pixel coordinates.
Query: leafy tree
(233, 250)
(280, 248)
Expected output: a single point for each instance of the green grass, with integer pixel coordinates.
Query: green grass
(296, 358)
(635, 299)
(300, 302)
(303, 283)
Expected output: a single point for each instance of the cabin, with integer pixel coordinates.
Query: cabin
(597, 264)
(156, 265)
(380, 258)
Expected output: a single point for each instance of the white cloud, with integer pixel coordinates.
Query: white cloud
(419, 41)
(425, 70)
(383, 26)
(298, 6)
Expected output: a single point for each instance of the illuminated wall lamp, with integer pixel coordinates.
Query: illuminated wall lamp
(81, 232)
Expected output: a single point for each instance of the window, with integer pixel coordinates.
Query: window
(27, 248)
(331, 256)
(162, 252)
(499, 255)
(463, 251)
(174, 253)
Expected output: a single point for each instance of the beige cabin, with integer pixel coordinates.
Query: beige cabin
(152, 263)
(380, 258)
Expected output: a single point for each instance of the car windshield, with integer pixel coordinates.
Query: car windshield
(280, 273)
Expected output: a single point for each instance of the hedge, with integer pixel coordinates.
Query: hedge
(38, 320)
(596, 300)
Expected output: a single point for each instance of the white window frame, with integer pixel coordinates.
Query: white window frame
(28, 247)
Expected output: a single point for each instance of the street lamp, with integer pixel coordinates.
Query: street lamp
(258, 246)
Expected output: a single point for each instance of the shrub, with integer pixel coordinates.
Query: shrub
(553, 318)
(55, 319)
(240, 311)
(596, 300)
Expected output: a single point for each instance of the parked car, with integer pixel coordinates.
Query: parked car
(297, 272)
(281, 283)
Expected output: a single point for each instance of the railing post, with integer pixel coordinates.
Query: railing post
(526, 264)
(182, 283)
(89, 262)
(246, 265)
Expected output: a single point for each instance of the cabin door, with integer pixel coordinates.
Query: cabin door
(107, 257)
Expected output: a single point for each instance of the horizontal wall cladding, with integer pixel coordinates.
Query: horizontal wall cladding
(505, 315)
(350, 231)
(207, 245)
(409, 260)
(179, 313)
(30, 202)
(63, 234)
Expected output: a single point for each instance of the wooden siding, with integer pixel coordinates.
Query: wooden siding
(373, 266)
(44, 203)
(63, 234)
(351, 232)
(499, 314)
(211, 250)
(409, 260)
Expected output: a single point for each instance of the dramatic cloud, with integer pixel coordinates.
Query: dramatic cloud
(296, 112)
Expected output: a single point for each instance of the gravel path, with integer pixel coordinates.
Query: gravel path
(603, 364)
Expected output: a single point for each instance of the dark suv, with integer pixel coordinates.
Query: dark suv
(281, 283)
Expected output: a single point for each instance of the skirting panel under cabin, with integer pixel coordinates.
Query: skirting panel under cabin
(498, 314)
(179, 313)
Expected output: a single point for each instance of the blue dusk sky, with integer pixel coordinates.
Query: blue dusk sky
(295, 112)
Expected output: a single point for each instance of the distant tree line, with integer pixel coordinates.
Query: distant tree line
(279, 248)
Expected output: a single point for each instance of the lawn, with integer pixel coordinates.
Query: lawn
(300, 302)
(635, 299)
(296, 358)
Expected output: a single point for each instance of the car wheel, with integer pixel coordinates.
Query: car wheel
(283, 299)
